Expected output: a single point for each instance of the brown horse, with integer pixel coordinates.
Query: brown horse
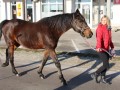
(43, 34)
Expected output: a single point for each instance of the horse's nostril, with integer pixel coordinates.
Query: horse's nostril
(91, 34)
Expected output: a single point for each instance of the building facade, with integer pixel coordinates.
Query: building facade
(92, 10)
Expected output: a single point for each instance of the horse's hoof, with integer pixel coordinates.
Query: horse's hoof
(96, 79)
(42, 76)
(5, 64)
(64, 83)
(17, 75)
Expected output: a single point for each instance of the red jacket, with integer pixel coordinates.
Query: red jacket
(103, 37)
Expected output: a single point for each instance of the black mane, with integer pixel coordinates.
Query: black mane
(61, 21)
(57, 22)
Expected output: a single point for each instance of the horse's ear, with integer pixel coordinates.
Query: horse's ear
(77, 13)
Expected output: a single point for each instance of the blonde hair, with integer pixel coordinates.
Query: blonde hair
(108, 20)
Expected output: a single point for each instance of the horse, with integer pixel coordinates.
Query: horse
(43, 34)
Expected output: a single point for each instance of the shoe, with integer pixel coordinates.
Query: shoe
(103, 80)
(96, 77)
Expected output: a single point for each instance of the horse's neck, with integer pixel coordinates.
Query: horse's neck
(66, 26)
(68, 23)
(63, 31)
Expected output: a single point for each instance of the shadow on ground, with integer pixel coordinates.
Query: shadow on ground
(86, 55)
(84, 77)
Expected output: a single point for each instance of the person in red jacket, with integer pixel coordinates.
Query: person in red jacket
(103, 43)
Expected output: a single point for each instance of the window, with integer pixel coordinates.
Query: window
(14, 3)
(84, 8)
(28, 1)
(59, 1)
(44, 8)
(53, 8)
(29, 10)
(83, 0)
(60, 8)
(106, 0)
(14, 11)
(52, 1)
(52, 5)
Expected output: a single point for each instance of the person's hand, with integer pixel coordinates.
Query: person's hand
(113, 52)
(98, 49)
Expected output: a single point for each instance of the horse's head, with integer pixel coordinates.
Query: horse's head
(79, 25)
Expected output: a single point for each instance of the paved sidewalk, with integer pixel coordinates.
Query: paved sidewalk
(73, 50)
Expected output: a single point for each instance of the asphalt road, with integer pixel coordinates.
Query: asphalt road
(77, 79)
(76, 68)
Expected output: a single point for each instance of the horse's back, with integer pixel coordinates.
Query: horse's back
(28, 34)
(34, 35)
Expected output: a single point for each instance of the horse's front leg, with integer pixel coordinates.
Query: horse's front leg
(58, 65)
(11, 56)
(45, 58)
(7, 59)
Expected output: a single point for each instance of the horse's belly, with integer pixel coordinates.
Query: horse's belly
(32, 44)
(32, 41)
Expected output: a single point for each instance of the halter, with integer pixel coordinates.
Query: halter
(0, 59)
(81, 29)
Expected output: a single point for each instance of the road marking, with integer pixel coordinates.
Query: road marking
(75, 46)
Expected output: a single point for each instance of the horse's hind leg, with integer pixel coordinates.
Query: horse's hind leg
(58, 65)
(7, 56)
(45, 58)
(11, 56)
(7, 59)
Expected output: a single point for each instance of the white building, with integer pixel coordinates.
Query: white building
(34, 11)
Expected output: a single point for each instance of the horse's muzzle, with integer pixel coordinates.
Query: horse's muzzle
(90, 35)
(87, 33)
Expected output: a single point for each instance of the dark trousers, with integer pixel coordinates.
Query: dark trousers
(104, 57)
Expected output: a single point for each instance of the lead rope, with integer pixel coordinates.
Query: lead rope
(0, 61)
(0, 58)
(95, 49)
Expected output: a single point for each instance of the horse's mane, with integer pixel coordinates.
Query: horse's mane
(60, 21)
(57, 22)
(20, 21)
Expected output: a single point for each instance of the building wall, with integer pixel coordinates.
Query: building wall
(68, 5)
(8, 6)
(3, 15)
(96, 12)
(115, 15)
(99, 11)
(38, 11)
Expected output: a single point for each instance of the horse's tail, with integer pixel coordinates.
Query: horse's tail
(1, 26)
